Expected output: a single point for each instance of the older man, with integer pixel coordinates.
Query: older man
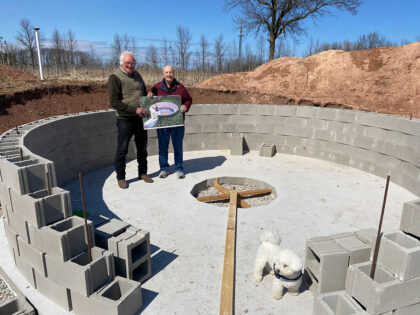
(170, 86)
(125, 86)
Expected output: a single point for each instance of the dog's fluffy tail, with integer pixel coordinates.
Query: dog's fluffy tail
(270, 237)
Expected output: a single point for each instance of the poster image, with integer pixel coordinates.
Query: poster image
(163, 111)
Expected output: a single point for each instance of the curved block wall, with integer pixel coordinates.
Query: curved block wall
(376, 143)
(51, 152)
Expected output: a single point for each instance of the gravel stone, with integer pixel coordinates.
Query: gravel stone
(254, 201)
(6, 294)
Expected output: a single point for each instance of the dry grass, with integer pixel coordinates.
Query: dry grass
(97, 76)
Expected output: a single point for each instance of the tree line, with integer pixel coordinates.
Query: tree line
(273, 22)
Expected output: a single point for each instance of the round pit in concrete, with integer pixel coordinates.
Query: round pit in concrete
(251, 192)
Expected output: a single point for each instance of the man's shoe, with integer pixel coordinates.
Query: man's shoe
(163, 174)
(122, 184)
(146, 178)
(180, 174)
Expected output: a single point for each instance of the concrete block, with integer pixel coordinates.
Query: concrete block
(326, 264)
(41, 209)
(121, 296)
(267, 149)
(357, 249)
(410, 218)
(105, 228)
(382, 294)
(32, 256)
(337, 302)
(266, 109)
(408, 310)
(285, 110)
(18, 224)
(64, 239)
(399, 254)
(237, 145)
(5, 196)
(29, 178)
(78, 274)
(306, 111)
(26, 270)
(132, 254)
(11, 238)
(59, 294)
(367, 236)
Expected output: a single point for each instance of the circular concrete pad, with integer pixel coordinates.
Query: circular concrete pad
(314, 198)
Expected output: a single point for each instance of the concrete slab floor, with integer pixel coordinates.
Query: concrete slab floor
(314, 198)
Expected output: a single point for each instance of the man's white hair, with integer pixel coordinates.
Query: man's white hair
(126, 53)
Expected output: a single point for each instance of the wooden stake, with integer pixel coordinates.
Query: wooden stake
(21, 154)
(47, 183)
(84, 216)
(17, 130)
(375, 253)
(240, 194)
(223, 190)
(227, 299)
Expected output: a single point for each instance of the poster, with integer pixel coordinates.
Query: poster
(163, 111)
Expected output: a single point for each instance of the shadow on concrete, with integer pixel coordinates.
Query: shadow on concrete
(147, 297)
(160, 260)
(93, 189)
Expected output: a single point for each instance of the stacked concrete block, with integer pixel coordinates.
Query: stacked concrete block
(64, 239)
(410, 218)
(384, 293)
(327, 259)
(105, 228)
(336, 303)
(81, 275)
(40, 208)
(121, 296)
(325, 265)
(267, 149)
(131, 247)
(236, 145)
(399, 254)
(57, 293)
(132, 254)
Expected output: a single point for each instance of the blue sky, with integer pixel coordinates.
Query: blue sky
(149, 21)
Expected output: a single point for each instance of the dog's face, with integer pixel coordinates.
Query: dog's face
(287, 263)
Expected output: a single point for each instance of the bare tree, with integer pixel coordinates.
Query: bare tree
(183, 45)
(133, 45)
(164, 48)
(152, 56)
(203, 52)
(372, 40)
(261, 49)
(277, 17)
(219, 52)
(26, 37)
(125, 41)
(283, 49)
(71, 44)
(116, 47)
(58, 47)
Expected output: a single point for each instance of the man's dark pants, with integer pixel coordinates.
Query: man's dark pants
(126, 129)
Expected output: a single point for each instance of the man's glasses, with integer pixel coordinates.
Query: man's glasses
(130, 63)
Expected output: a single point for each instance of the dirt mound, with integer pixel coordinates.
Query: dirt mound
(382, 80)
(10, 75)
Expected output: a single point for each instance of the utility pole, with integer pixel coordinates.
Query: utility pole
(1, 49)
(39, 53)
(240, 45)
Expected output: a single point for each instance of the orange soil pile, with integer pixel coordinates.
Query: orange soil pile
(383, 80)
(9, 75)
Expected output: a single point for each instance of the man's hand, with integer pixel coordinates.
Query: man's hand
(141, 112)
(183, 108)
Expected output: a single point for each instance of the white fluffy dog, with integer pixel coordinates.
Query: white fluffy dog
(285, 264)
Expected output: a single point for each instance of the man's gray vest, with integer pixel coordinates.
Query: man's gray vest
(132, 87)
